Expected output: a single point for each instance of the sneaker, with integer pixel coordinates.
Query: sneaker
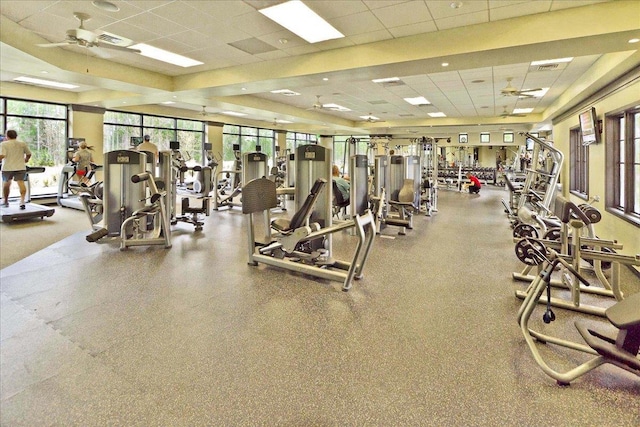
(23, 207)
(5, 204)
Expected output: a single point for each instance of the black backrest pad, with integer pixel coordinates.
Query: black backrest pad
(300, 217)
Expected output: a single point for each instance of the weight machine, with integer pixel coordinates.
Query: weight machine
(620, 350)
(576, 242)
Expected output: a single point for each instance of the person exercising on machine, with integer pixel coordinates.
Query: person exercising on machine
(14, 155)
(83, 157)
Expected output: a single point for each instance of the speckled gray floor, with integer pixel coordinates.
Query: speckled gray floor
(194, 336)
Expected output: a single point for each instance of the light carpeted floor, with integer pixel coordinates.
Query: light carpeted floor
(193, 336)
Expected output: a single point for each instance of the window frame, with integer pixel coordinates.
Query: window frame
(578, 165)
(621, 158)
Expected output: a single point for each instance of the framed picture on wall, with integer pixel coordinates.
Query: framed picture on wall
(507, 137)
(463, 138)
(485, 137)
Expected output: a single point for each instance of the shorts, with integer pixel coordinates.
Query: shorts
(17, 175)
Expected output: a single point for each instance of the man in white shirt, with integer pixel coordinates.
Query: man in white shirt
(149, 146)
(14, 155)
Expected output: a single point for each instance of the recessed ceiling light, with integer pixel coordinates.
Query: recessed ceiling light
(551, 61)
(456, 5)
(167, 102)
(418, 100)
(49, 83)
(522, 110)
(438, 114)
(105, 5)
(244, 88)
(634, 40)
(298, 18)
(445, 64)
(165, 55)
(326, 79)
(386, 80)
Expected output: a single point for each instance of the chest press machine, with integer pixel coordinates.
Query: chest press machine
(293, 247)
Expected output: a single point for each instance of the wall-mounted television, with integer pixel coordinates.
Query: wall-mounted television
(135, 141)
(589, 127)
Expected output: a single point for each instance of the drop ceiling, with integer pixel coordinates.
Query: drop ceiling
(246, 56)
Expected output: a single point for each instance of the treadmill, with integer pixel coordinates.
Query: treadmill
(31, 210)
(66, 197)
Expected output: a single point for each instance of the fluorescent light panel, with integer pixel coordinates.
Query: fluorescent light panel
(522, 110)
(285, 92)
(438, 114)
(538, 94)
(296, 17)
(369, 117)
(386, 80)
(418, 100)
(233, 113)
(165, 55)
(50, 83)
(335, 107)
(551, 61)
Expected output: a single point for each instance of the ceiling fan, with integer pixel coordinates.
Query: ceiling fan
(203, 113)
(317, 105)
(510, 90)
(506, 114)
(85, 38)
(369, 118)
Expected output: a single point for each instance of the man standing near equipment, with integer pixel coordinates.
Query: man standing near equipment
(147, 145)
(14, 155)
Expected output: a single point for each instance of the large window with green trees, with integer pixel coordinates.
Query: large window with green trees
(295, 139)
(623, 164)
(43, 126)
(248, 138)
(120, 126)
(341, 144)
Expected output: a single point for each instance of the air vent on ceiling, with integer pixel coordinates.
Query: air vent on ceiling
(393, 83)
(405, 115)
(547, 67)
(378, 102)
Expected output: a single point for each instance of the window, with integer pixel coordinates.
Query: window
(341, 150)
(119, 127)
(578, 165)
(248, 138)
(43, 126)
(623, 164)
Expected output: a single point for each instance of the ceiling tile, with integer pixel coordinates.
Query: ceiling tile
(403, 14)
(462, 20)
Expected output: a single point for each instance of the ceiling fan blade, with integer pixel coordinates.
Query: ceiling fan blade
(67, 43)
(530, 90)
(120, 48)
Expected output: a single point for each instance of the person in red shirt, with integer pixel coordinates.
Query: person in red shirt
(474, 185)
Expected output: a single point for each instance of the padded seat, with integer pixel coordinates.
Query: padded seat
(339, 202)
(301, 217)
(623, 348)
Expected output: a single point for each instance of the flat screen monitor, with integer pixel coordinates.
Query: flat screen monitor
(208, 146)
(589, 127)
(75, 142)
(135, 141)
(174, 145)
